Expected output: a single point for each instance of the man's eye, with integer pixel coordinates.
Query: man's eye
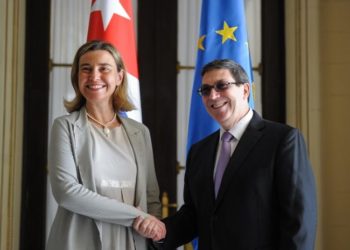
(221, 86)
(205, 88)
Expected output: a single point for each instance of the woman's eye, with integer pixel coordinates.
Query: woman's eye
(85, 69)
(105, 69)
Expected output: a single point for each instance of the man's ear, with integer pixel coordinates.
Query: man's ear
(246, 89)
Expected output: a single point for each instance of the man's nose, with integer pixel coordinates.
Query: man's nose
(213, 94)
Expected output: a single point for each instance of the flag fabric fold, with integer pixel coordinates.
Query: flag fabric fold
(112, 21)
(223, 35)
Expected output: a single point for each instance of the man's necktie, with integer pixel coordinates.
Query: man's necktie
(225, 154)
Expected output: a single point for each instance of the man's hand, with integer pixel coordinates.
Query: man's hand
(150, 227)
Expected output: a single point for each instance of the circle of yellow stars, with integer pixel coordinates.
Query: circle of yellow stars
(226, 33)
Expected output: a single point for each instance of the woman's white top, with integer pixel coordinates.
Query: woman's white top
(115, 177)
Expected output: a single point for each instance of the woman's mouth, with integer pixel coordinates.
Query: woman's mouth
(95, 86)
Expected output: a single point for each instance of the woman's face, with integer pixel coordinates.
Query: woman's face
(98, 77)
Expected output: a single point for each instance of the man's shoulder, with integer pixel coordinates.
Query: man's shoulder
(208, 140)
(271, 128)
(281, 130)
(277, 125)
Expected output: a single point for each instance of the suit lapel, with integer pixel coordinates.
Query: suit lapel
(250, 137)
(209, 161)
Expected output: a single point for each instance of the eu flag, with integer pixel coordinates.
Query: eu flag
(223, 35)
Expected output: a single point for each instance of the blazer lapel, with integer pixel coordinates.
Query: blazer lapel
(134, 134)
(82, 141)
(250, 137)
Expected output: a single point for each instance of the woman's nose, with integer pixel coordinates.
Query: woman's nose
(94, 75)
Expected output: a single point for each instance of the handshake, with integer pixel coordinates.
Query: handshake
(150, 227)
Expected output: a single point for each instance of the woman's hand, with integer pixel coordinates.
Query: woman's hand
(150, 227)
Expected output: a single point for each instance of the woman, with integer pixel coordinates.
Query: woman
(101, 165)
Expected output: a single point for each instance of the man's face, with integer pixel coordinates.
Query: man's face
(227, 107)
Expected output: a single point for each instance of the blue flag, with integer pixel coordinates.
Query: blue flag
(223, 35)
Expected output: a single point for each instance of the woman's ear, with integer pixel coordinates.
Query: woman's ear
(120, 77)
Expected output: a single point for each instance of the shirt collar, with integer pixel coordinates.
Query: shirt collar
(238, 129)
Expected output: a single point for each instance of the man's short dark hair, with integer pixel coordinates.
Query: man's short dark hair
(235, 69)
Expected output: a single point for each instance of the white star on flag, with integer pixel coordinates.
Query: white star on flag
(119, 32)
(108, 8)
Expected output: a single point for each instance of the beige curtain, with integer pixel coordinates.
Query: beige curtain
(12, 41)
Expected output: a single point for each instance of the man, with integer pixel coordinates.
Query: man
(264, 197)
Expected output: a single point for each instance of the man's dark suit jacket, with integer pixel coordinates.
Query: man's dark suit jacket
(267, 199)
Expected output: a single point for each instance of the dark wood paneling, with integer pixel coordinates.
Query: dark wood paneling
(157, 55)
(273, 60)
(35, 125)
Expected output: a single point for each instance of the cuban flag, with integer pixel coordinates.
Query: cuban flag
(112, 21)
(223, 35)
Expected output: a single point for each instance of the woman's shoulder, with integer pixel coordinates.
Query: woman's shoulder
(133, 124)
(70, 117)
(130, 121)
